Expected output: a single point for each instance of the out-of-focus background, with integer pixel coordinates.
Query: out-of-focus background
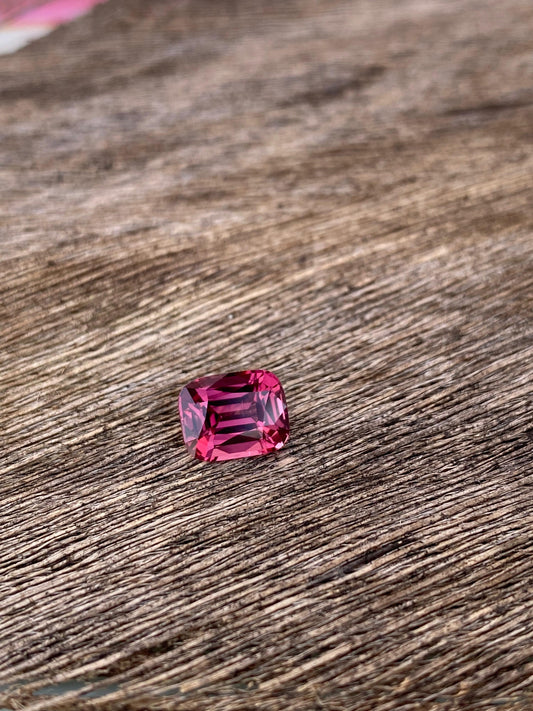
(339, 191)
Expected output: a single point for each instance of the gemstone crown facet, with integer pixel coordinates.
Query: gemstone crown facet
(234, 415)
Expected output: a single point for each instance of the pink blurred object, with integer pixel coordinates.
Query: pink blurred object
(12, 8)
(56, 12)
(22, 21)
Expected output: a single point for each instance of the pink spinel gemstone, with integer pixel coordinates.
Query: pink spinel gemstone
(234, 415)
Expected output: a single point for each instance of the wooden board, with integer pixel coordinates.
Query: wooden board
(340, 192)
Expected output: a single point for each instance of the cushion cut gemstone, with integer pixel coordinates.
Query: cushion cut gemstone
(234, 415)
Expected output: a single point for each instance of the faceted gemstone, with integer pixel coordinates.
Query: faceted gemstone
(234, 415)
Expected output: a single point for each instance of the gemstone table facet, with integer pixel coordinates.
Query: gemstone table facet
(234, 415)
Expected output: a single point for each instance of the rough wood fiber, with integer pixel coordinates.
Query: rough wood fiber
(340, 192)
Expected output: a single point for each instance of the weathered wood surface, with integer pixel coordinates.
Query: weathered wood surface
(341, 192)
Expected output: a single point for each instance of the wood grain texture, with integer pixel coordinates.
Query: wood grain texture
(341, 192)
